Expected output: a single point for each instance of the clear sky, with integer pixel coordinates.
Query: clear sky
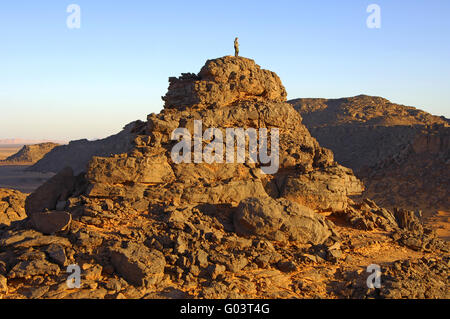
(61, 83)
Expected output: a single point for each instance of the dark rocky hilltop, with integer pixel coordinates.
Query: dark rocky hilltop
(139, 225)
(401, 153)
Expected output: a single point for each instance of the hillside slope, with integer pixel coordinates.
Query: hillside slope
(400, 152)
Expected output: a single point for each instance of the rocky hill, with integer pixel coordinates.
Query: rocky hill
(141, 224)
(401, 153)
(362, 109)
(30, 153)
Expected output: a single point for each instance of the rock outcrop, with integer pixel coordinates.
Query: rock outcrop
(222, 82)
(227, 93)
(12, 204)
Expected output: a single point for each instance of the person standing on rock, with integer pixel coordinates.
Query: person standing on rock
(236, 47)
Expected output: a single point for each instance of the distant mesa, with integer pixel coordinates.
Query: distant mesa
(20, 141)
(30, 154)
(363, 110)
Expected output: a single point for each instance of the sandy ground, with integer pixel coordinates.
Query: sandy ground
(441, 222)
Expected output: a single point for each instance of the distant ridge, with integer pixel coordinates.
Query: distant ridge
(30, 153)
(20, 141)
(401, 153)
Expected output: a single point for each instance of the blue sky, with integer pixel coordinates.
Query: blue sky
(60, 83)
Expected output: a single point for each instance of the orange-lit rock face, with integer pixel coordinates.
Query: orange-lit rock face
(223, 81)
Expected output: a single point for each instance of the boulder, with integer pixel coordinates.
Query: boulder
(51, 222)
(35, 267)
(115, 170)
(58, 188)
(137, 263)
(280, 220)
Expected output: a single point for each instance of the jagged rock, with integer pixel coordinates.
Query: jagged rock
(58, 188)
(408, 220)
(148, 172)
(12, 204)
(137, 263)
(424, 278)
(57, 254)
(215, 270)
(280, 220)
(34, 293)
(368, 216)
(223, 81)
(99, 293)
(3, 285)
(34, 267)
(235, 264)
(51, 222)
(30, 238)
(93, 272)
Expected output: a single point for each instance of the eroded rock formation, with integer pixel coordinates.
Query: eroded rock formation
(142, 225)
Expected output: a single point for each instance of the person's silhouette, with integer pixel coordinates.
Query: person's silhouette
(236, 47)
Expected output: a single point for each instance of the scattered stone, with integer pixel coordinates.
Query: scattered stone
(12, 204)
(57, 254)
(51, 222)
(216, 270)
(36, 267)
(137, 263)
(286, 266)
(93, 273)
